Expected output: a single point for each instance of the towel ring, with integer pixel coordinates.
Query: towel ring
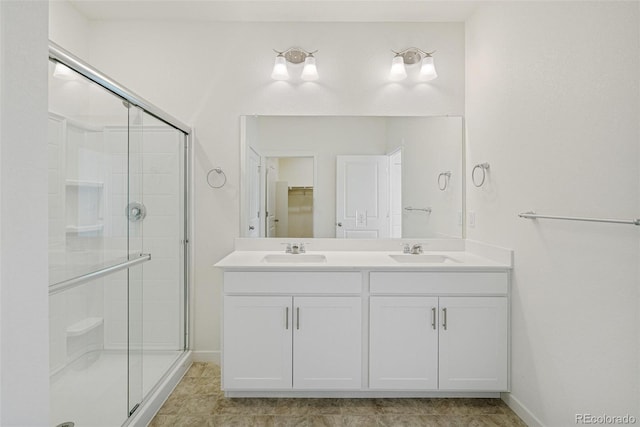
(219, 171)
(483, 167)
(447, 177)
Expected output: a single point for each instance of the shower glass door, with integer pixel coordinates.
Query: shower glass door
(116, 251)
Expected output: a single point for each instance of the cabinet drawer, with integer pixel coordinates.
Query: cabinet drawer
(439, 282)
(292, 282)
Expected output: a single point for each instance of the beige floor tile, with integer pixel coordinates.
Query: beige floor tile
(198, 401)
(300, 407)
(245, 407)
(198, 405)
(240, 421)
(365, 407)
(180, 421)
(345, 421)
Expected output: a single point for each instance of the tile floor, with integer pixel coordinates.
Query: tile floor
(198, 401)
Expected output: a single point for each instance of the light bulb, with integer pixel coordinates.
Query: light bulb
(309, 72)
(280, 69)
(398, 72)
(428, 69)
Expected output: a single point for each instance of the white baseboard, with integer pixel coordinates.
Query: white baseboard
(521, 410)
(206, 356)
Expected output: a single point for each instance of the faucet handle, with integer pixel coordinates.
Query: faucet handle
(288, 248)
(417, 248)
(406, 248)
(301, 247)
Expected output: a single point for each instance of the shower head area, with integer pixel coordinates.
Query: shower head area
(118, 247)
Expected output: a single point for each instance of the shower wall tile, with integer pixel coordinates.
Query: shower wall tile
(160, 163)
(161, 225)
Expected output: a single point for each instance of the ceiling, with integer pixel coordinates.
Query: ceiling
(277, 11)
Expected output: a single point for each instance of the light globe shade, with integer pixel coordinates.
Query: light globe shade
(280, 69)
(309, 72)
(398, 72)
(63, 72)
(428, 69)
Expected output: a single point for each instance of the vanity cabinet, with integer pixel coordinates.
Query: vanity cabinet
(447, 343)
(294, 341)
(425, 333)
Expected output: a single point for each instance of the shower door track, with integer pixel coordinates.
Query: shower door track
(80, 280)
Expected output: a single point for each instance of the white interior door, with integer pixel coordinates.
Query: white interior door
(282, 209)
(253, 204)
(362, 197)
(395, 193)
(271, 178)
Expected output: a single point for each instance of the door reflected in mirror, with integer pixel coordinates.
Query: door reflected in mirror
(351, 177)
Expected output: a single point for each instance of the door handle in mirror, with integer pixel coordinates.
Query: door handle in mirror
(251, 227)
(339, 224)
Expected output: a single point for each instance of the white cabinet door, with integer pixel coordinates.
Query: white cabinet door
(327, 339)
(257, 342)
(403, 343)
(473, 343)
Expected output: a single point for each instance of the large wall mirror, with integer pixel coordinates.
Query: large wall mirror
(351, 177)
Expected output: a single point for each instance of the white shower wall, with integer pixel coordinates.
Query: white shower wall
(161, 231)
(159, 172)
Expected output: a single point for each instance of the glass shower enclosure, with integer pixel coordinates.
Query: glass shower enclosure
(118, 246)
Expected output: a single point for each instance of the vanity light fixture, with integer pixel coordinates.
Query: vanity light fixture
(61, 71)
(412, 56)
(296, 56)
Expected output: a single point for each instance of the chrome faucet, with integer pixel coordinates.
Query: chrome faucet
(295, 248)
(416, 249)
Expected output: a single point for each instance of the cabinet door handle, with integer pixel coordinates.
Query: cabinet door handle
(297, 317)
(433, 317)
(286, 318)
(444, 319)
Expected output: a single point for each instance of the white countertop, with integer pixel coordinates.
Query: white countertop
(360, 260)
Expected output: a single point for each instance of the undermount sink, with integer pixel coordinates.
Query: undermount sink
(422, 258)
(294, 258)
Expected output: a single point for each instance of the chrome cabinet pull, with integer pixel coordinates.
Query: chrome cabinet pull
(286, 317)
(444, 318)
(297, 317)
(433, 317)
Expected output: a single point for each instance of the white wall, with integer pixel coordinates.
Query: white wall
(430, 146)
(208, 74)
(297, 171)
(552, 104)
(24, 344)
(69, 28)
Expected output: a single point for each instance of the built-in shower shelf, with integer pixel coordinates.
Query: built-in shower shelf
(84, 228)
(82, 183)
(84, 326)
